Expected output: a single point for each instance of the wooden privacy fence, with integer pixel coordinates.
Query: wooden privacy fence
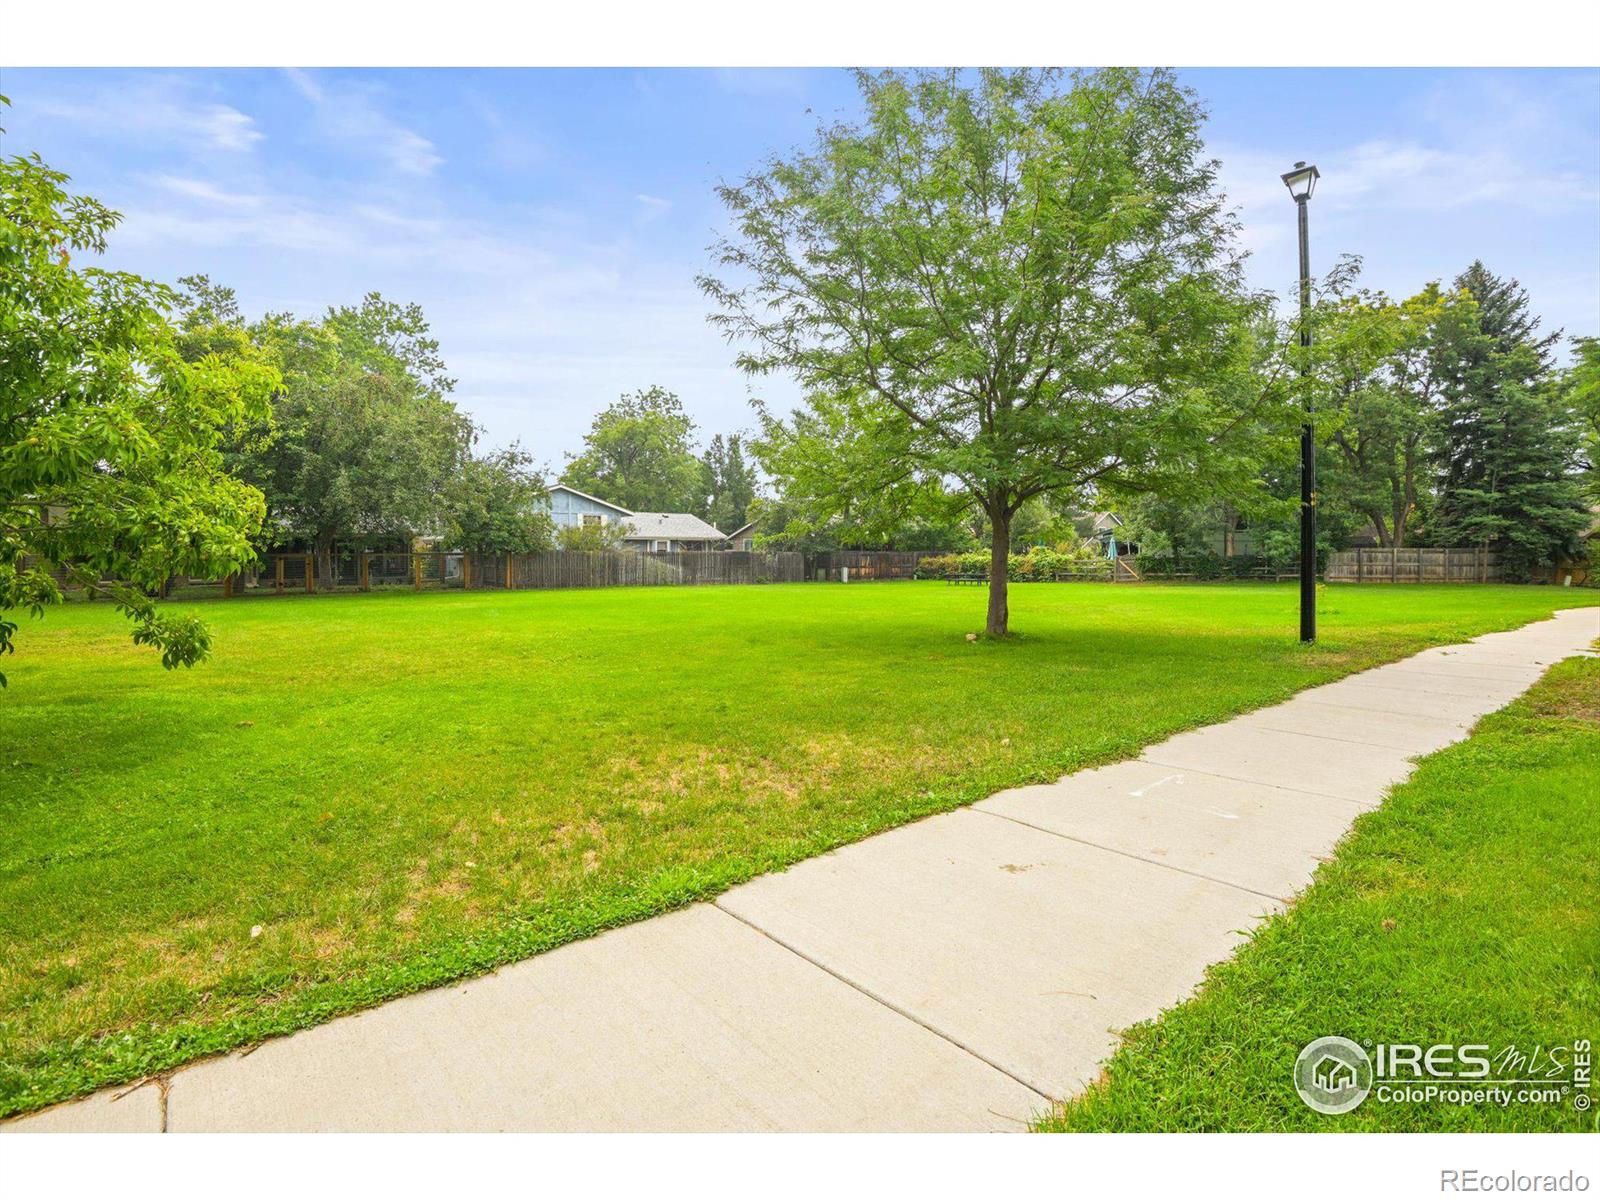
(1414, 564)
(363, 571)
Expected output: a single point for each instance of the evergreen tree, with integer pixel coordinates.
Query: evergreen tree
(1581, 393)
(729, 485)
(1507, 453)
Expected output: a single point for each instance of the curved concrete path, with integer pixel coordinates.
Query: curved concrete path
(955, 974)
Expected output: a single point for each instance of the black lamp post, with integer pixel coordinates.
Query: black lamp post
(1301, 182)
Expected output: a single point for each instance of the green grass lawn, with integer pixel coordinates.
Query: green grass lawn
(1463, 911)
(400, 790)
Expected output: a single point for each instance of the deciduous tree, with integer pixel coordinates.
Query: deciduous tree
(1382, 388)
(639, 453)
(111, 466)
(1020, 285)
(363, 439)
(492, 505)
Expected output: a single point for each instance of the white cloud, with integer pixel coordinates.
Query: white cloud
(304, 83)
(349, 114)
(652, 206)
(228, 127)
(1408, 176)
(204, 190)
(160, 108)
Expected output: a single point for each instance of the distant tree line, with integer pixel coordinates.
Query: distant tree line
(1442, 421)
(363, 444)
(1011, 298)
(1016, 296)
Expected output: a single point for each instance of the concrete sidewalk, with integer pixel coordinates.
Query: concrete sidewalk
(955, 974)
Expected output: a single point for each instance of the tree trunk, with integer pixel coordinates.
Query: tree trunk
(999, 564)
(324, 560)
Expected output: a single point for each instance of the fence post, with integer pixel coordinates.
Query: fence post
(311, 574)
(508, 572)
(416, 570)
(466, 571)
(278, 573)
(366, 570)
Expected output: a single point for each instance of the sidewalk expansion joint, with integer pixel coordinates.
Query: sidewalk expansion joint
(1464, 725)
(1136, 857)
(1156, 762)
(889, 1004)
(1328, 737)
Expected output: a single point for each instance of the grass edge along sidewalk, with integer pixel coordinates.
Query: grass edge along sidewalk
(1459, 912)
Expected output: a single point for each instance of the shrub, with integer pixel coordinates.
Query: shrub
(1037, 564)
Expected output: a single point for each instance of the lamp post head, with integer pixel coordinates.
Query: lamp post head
(1301, 181)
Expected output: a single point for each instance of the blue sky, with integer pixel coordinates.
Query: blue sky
(551, 222)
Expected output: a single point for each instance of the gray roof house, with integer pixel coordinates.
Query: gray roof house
(664, 531)
(644, 531)
(743, 538)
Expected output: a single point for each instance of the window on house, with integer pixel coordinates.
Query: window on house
(591, 518)
(748, 544)
(663, 547)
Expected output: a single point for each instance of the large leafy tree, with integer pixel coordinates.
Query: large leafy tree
(1021, 284)
(363, 440)
(111, 469)
(639, 453)
(492, 506)
(1508, 449)
(1382, 386)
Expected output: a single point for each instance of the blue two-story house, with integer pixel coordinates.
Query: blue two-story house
(648, 532)
(569, 506)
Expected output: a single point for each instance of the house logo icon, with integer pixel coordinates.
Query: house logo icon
(1333, 1075)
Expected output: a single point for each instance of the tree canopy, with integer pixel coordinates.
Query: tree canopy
(363, 439)
(1508, 448)
(111, 463)
(1382, 379)
(1581, 390)
(1025, 284)
(639, 453)
(729, 484)
(493, 505)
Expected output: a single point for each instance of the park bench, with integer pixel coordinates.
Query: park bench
(966, 577)
(1078, 574)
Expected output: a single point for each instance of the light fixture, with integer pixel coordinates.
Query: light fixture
(1301, 181)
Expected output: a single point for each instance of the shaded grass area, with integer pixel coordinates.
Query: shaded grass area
(401, 790)
(1463, 911)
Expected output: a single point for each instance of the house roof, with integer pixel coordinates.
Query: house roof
(681, 527)
(562, 487)
(745, 528)
(1105, 520)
